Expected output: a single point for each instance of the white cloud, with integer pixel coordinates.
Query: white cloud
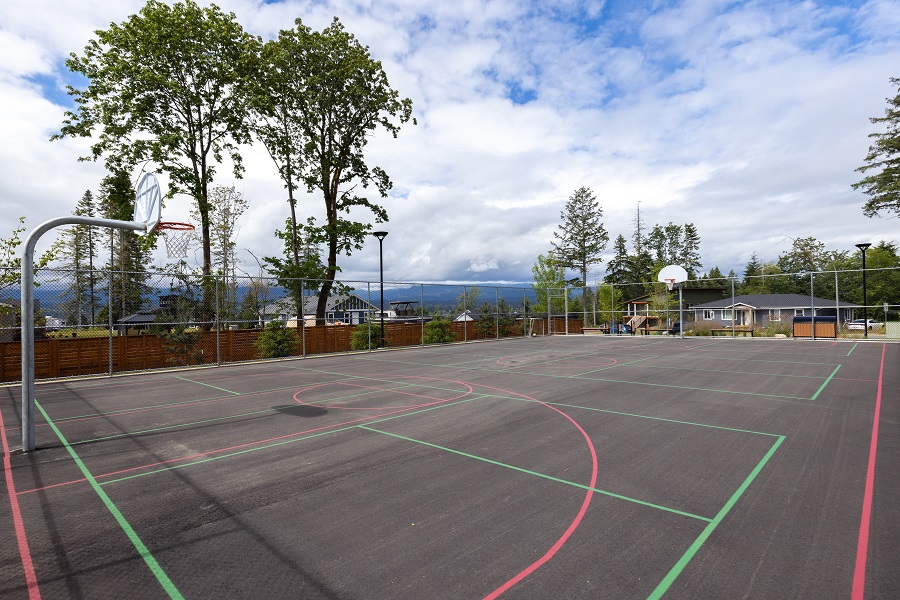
(747, 119)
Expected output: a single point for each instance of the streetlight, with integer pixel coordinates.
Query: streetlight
(863, 248)
(381, 235)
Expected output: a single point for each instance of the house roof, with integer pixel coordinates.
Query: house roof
(286, 305)
(764, 301)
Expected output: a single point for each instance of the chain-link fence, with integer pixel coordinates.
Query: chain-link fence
(850, 304)
(102, 322)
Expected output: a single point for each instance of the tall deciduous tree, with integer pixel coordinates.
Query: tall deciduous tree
(581, 237)
(345, 97)
(226, 206)
(883, 185)
(165, 86)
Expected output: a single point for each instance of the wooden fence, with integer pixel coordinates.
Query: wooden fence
(70, 357)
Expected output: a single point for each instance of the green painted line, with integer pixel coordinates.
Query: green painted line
(822, 387)
(276, 444)
(169, 427)
(615, 366)
(184, 402)
(625, 414)
(853, 348)
(209, 385)
(757, 373)
(676, 570)
(142, 549)
(536, 474)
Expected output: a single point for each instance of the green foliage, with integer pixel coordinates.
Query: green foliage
(467, 300)
(164, 86)
(11, 261)
(366, 336)
(437, 331)
(547, 275)
(883, 186)
(276, 341)
(180, 344)
(330, 100)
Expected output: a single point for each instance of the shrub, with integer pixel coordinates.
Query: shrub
(180, 344)
(276, 341)
(437, 331)
(773, 328)
(360, 338)
(700, 328)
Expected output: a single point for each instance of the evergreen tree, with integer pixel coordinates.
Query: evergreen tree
(581, 236)
(640, 263)
(127, 256)
(883, 187)
(79, 251)
(617, 268)
(674, 243)
(690, 251)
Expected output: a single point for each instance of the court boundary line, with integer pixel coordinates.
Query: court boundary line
(862, 544)
(34, 591)
(167, 584)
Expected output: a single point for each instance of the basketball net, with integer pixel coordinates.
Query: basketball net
(670, 284)
(177, 237)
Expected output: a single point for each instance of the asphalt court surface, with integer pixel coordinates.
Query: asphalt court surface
(560, 467)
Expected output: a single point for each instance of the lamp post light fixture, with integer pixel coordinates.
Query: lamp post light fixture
(863, 248)
(381, 235)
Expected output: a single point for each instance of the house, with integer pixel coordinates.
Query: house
(347, 309)
(467, 315)
(758, 310)
(649, 310)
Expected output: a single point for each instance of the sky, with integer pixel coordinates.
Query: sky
(745, 118)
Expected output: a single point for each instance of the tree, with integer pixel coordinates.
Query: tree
(226, 206)
(617, 268)
(468, 299)
(11, 261)
(640, 263)
(127, 257)
(883, 186)
(165, 86)
(277, 111)
(690, 251)
(344, 98)
(547, 279)
(79, 251)
(581, 236)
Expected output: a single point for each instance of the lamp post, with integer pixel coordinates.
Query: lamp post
(863, 248)
(381, 235)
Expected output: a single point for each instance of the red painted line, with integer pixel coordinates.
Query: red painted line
(254, 443)
(34, 592)
(372, 387)
(862, 546)
(578, 518)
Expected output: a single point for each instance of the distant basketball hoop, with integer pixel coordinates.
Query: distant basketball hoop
(177, 237)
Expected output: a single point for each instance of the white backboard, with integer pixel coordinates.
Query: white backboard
(675, 272)
(148, 202)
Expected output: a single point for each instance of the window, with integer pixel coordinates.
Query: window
(728, 315)
(774, 314)
(709, 315)
(798, 312)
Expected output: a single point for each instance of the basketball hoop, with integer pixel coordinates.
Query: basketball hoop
(177, 237)
(670, 282)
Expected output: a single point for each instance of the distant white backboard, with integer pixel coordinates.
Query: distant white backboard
(148, 202)
(672, 274)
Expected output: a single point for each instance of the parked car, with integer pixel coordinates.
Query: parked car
(860, 324)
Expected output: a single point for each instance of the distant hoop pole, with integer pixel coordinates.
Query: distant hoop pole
(27, 310)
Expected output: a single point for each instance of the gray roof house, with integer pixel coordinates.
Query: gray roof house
(759, 309)
(348, 309)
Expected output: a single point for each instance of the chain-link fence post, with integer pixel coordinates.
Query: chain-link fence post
(219, 323)
(422, 310)
(109, 304)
